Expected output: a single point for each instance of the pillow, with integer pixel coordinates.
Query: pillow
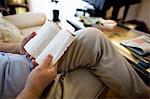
(9, 32)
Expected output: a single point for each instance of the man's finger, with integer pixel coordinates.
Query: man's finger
(34, 62)
(25, 40)
(47, 61)
(53, 70)
(30, 36)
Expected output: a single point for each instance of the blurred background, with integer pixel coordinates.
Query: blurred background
(135, 11)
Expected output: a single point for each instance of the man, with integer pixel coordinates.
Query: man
(45, 73)
(89, 67)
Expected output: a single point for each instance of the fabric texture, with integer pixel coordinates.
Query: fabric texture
(27, 31)
(85, 70)
(9, 32)
(14, 70)
(88, 67)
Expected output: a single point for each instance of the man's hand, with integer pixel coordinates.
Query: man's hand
(39, 79)
(24, 41)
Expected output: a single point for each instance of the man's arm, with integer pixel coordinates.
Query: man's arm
(15, 47)
(27, 95)
(39, 79)
(10, 47)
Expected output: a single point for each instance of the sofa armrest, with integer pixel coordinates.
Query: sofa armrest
(26, 20)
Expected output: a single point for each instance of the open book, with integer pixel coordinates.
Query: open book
(49, 40)
(139, 45)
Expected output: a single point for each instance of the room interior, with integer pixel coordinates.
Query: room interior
(30, 15)
(136, 11)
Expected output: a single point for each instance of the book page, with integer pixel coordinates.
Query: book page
(44, 35)
(57, 46)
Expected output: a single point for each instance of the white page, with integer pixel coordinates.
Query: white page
(44, 35)
(56, 47)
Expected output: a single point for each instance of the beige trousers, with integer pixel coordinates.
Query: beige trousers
(90, 65)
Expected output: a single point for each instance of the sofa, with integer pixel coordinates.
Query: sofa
(19, 25)
(27, 22)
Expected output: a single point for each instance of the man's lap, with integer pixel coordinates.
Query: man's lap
(79, 83)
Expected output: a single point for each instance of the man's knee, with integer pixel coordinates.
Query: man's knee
(89, 33)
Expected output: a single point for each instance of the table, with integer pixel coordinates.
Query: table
(119, 34)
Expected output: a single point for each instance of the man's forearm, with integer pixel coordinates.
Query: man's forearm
(10, 47)
(27, 95)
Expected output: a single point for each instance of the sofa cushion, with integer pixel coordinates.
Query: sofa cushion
(9, 32)
(26, 31)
